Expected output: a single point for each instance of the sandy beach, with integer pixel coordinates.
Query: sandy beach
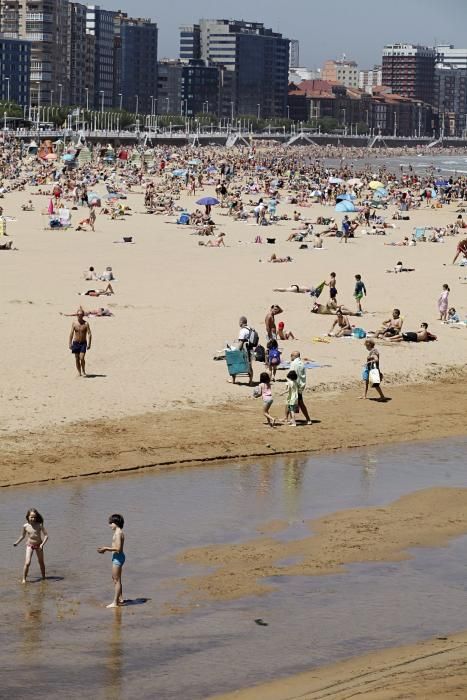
(176, 303)
(156, 399)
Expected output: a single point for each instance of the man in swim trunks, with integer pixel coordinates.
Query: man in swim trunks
(392, 326)
(270, 321)
(413, 337)
(79, 341)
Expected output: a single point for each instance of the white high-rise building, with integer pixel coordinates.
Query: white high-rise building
(294, 54)
(368, 79)
(450, 56)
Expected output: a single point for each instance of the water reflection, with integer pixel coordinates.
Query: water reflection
(31, 622)
(114, 657)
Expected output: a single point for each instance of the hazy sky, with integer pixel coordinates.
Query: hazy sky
(325, 28)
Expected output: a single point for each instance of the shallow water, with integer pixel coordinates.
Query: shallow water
(57, 639)
(447, 164)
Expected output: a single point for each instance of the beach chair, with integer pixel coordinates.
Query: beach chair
(237, 362)
(419, 234)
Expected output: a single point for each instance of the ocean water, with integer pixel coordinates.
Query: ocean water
(58, 640)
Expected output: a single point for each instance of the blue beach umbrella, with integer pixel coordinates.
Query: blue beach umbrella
(336, 180)
(68, 157)
(382, 191)
(442, 183)
(179, 173)
(345, 197)
(345, 206)
(208, 201)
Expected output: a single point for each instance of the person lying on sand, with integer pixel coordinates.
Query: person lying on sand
(7, 246)
(216, 243)
(403, 243)
(99, 292)
(400, 268)
(275, 259)
(421, 336)
(331, 309)
(101, 312)
(293, 288)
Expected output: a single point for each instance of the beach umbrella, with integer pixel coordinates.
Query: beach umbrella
(382, 192)
(345, 196)
(51, 156)
(345, 206)
(316, 193)
(442, 183)
(179, 172)
(376, 185)
(194, 161)
(354, 181)
(212, 169)
(208, 201)
(336, 180)
(68, 157)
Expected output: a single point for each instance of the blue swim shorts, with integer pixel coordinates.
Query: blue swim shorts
(78, 348)
(118, 559)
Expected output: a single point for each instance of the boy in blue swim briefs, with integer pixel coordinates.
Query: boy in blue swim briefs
(116, 522)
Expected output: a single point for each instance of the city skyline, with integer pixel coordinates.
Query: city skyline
(361, 36)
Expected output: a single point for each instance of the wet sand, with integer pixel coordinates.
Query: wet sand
(58, 637)
(425, 671)
(196, 435)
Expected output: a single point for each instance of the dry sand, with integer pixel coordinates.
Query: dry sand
(176, 303)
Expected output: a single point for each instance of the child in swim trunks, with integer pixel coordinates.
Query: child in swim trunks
(37, 536)
(116, 522)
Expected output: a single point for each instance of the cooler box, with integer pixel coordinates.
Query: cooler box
(237, 362)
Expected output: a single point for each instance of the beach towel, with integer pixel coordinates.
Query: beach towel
(316, 291)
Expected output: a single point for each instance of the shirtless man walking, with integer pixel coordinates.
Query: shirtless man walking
(80, 341)
(270, 321)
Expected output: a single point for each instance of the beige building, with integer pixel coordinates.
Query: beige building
(45, 24)
(343, 72)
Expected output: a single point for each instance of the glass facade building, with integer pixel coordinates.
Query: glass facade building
(15, 66)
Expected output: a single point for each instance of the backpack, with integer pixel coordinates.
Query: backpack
(274, 356)
(260, 353)
(253, 338)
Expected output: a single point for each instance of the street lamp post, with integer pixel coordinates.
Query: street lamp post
(8, 89)
(87, 99)
(51, 97)
(419, 120)
(259, 111)
(168, 102)
(61, 94)
(102, 100)
(120, 94)
(137, 104)
(288, 111)
(231, 111)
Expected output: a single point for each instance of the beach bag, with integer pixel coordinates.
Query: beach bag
(358, 333)
(374, 376)
(260, 353)
(365, 373)
(253, 338)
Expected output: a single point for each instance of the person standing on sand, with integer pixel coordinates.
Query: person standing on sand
(79, 341)
(360, 291)
(270, 321)
(443, 303)
(298, 366)
(116, 522)
(372, 363)
(37, 536)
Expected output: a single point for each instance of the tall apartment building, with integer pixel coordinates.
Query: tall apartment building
(45, 24)
(450, 56)
(135, 63)
(255, 61)
(100, 25)
(15, 66)
(368, 79)
(76, 55)
(450, 99)
(409, 70)
(190, 41)
(294, 54)
(169, 86)
(343, 72)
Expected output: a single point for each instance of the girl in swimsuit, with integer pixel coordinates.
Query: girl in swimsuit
(37, 536)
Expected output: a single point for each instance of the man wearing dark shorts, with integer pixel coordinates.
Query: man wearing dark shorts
(79, 341)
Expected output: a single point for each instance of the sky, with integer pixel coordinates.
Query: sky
(325, 28)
